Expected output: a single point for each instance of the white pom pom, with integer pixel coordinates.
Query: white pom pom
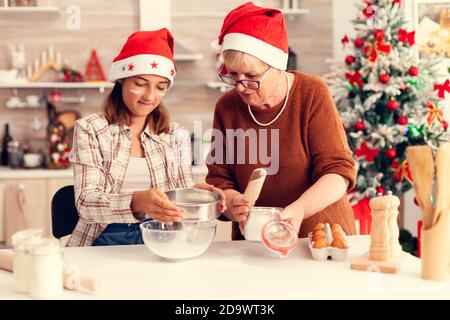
(216, 47)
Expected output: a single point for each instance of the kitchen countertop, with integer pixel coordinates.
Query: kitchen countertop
(238, 270)
(8, 173)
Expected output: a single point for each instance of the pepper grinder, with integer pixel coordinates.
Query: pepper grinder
(380, 235)
(394, 231)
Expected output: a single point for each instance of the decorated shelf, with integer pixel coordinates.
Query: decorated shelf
(46, 11)
(101, 86)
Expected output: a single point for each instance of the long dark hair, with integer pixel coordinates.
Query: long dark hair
(116, 111)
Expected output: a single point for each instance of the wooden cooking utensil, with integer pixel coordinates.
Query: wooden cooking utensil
(421, 164)
(254, 185)
(442, 180)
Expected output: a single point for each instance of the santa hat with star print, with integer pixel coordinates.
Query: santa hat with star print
(145, 52)
(260, 32)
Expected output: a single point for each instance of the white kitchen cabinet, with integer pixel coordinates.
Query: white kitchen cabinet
(32, 212)
(37, 188)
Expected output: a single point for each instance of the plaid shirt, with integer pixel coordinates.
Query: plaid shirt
(100, 157)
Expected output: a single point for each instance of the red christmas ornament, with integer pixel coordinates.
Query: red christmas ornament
(359, 125)
(379, 35)
(55, 96)
(344, 41)
(369, 10)
(405, 36)
(442, 88)
(384, 78)
(380, 190)
(369, 153)
(390, 153)
(445, 124)
(402, 120)
(413, 71)
(355, 79)
(392, 105)
(349, 59)
(359, 42)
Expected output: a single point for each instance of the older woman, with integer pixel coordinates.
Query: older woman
(125, 158)
(292, 115)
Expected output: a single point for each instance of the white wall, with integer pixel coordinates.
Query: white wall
(343, 12)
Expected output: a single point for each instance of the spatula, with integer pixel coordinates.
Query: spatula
(421, 164)
(443, 180)
(254, 185)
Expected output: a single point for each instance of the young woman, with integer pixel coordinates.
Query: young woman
(125, 158)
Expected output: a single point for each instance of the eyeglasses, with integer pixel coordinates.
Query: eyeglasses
(250, 84)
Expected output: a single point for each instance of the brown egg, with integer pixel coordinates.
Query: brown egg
(321, 243)
(339, 243)
(319, 234)
(319, 226)
(338, 234)
(336, 227)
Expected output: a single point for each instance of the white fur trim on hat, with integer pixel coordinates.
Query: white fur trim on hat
(262, 50)
(142, 64)
(215, 46)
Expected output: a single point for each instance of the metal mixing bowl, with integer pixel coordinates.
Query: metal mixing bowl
(179, 241)
(198, 204)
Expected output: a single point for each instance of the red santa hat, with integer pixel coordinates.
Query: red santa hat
(145, 52)
(260, 32)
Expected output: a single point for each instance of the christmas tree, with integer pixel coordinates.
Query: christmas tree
(387, 98)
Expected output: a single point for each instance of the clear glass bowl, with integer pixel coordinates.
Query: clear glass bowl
(179, 241)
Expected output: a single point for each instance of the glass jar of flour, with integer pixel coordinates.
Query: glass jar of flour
(257, 218)
(46, 269)
(22, 260)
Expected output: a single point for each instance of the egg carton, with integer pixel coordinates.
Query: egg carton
(336, 254)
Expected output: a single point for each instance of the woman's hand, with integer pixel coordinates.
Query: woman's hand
(210, 187)
(155, 204)
(293, 214)
(237, 206)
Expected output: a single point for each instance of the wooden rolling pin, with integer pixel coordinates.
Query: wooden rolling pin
(72, 279)
(255, 185)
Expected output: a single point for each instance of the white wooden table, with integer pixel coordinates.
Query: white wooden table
(238, 270)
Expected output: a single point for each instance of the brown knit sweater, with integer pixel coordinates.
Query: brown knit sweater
(312, 143)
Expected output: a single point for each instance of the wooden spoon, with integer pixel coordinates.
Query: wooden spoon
(442, 180)
(421, 163)
(254, 185)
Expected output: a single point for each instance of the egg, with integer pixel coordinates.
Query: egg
(336, 227)
(319, 226)
(319, 234)
(321, 243)
(337, 234)
(339, 243)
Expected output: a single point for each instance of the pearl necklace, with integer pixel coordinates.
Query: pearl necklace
(279, 113)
